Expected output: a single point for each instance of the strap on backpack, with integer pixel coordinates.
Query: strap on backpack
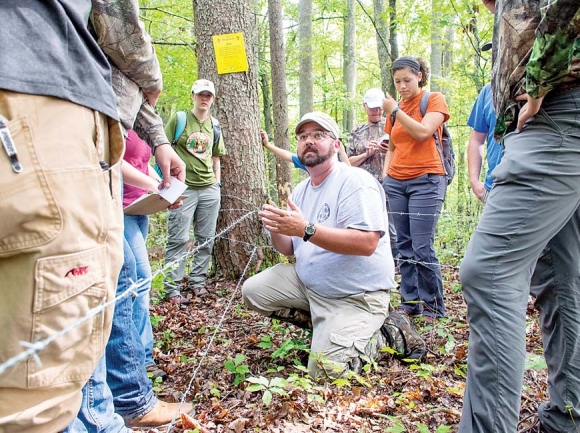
(179, 127)
(182, 121)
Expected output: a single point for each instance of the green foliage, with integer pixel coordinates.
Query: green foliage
(288, 346)
(535, 362)
(156, 320)
(266, 342)
(273, 386)
(238, 369)
(166, 340)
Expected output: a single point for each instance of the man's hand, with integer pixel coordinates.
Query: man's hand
(489, 4)
(372, 147)
(285, 222)
(170, 164)
(478, 189)
(152, 96)
(529, 110)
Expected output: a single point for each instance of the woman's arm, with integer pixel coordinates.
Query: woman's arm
(388, 159)
(133, 177)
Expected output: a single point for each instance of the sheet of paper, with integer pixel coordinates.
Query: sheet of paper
(172, 193)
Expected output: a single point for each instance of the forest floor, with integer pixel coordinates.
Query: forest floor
(244, 373)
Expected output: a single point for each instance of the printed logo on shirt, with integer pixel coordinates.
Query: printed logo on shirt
(198, 144)
(323, 213)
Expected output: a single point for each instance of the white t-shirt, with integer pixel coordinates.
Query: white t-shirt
(348, 198)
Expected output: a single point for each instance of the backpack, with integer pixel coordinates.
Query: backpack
(180, 127)
(444, 144)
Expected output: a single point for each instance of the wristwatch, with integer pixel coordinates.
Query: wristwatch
(309, 230)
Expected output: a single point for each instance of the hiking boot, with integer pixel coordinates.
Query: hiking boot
(295, 316)
(162, 413)
(154, 372)
(401, 336)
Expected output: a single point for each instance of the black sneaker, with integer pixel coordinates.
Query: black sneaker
(295, 316)
(402, 337)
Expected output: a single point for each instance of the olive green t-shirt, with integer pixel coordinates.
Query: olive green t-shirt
(195, 147)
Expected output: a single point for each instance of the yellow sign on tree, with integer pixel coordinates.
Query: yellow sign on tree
(230, 53)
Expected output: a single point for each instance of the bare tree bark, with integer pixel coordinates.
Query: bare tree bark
(236, 107)
(279, 97)
(393, 34)
(270, 159)
(436, 47)
(382, 32)
(349, 63)
(305, 56)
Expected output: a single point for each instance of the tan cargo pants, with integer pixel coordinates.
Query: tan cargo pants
(60, 254)
(342, 329)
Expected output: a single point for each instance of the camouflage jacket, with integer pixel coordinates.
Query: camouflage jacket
(536, 48)
(359, 136)
(134, 64)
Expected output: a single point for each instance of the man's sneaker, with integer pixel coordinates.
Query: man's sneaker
(401, 336)
(295, 316)
(154, 372)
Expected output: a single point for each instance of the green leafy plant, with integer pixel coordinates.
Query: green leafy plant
(165, 342)
(289, 345)
(266, 342)
(156, 320)
(270, 387)
(237, 368)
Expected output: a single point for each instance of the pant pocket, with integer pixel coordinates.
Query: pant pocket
(66, 289)
(29, 216)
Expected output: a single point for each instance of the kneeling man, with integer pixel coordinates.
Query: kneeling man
(335, 225)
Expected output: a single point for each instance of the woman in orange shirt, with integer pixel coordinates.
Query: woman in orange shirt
(414, 180)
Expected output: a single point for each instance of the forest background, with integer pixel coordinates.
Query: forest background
(309, 55)
(244, 372)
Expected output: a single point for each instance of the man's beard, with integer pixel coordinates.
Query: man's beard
(314, 160)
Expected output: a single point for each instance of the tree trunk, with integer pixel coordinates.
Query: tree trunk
(236, 108)
(270, 159)
(349, 64)
(436, 47)
(447, 57)
(382, 35)
(305, 56)
(393, 43)
(280, 98)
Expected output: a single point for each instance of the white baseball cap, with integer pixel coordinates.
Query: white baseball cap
(374, 98)
(322, 119)
(203, 86)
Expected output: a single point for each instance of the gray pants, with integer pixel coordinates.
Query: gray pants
(200, 208)
(342, 328)
(533, 205)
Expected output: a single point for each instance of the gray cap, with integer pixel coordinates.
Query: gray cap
(322, 119)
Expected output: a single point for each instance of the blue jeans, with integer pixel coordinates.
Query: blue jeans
(97, 413)
(415, 205)
(531, 220)
(126, 374)
(136, 229)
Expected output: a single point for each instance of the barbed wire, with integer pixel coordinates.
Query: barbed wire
(215, 332)
(32, 349)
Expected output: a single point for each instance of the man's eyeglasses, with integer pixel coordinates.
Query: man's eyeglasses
(316, 136)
